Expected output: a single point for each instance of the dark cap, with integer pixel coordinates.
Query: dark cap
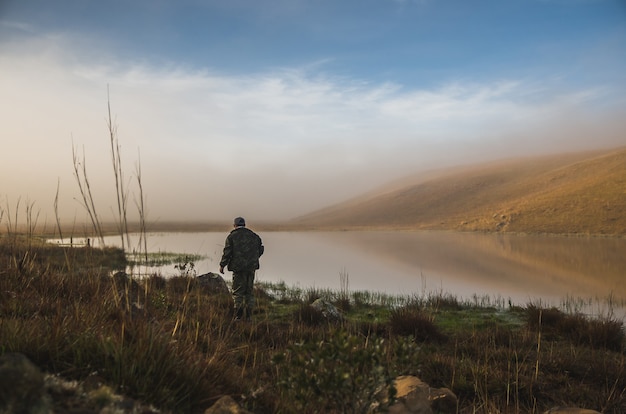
(240, 221)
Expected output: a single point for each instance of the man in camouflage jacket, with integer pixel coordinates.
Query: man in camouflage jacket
(242, 250)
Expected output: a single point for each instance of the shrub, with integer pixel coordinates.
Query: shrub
(342, 374)
(309, 315)
(604, 333)
(444, 301)
(410, 321)
(343, 303)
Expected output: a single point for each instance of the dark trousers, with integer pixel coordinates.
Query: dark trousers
(243, 293)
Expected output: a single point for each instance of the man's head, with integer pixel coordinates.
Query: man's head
(239, 222)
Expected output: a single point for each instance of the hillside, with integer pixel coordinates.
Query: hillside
(582, 193)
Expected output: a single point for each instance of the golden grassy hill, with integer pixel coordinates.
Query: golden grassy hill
(583, 193)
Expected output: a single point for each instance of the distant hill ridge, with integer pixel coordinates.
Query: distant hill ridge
(582, 193)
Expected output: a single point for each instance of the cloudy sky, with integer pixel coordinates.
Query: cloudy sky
(272, 109)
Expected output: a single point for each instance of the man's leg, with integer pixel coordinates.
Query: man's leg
(239, 292)
(249, 294)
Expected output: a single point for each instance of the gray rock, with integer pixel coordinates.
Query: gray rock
(226, 405)
(213, 283)
(416, 397)
(22, 386)
(327, 309)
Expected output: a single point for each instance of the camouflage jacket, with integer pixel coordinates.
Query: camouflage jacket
(242, 250)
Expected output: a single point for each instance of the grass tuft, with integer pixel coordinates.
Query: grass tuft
(415, 322)
(600, 333)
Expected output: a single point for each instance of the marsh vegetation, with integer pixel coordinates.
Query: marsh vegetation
(172, 344)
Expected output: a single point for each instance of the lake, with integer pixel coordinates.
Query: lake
(521, 269)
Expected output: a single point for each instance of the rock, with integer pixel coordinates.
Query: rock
(412, 395)
(327, 309)
(24, 389)
(213, 283)
(226, 405)
(570, 410)
(416, 397)
(92, 382)
(443, 400)
(22, 386)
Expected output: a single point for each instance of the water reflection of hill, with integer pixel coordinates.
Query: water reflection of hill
(558, 266)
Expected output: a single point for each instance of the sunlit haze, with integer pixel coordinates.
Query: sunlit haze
(273, 109)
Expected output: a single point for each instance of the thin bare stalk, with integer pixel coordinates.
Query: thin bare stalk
(17, 209)
(80, 172)
(56, 210)
(121, 193)
(538, 346)
(344, 282)
(31, 217)
(12, 226)
(141, 207)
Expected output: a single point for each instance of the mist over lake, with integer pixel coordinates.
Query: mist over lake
(520, 268)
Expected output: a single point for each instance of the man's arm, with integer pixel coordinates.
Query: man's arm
(226, 255)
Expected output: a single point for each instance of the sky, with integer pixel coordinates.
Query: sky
(273, 109)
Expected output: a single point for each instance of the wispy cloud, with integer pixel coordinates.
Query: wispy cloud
(286, 132)
(17, 26)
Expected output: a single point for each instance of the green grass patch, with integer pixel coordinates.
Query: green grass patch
(162, 258)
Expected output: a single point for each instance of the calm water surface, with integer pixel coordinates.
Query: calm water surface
(519, 268)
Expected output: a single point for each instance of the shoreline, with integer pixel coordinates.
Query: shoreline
(110, 229)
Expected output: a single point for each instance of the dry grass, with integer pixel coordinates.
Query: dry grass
(171, 344)
(567, 194)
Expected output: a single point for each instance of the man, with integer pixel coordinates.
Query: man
(242, 250)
